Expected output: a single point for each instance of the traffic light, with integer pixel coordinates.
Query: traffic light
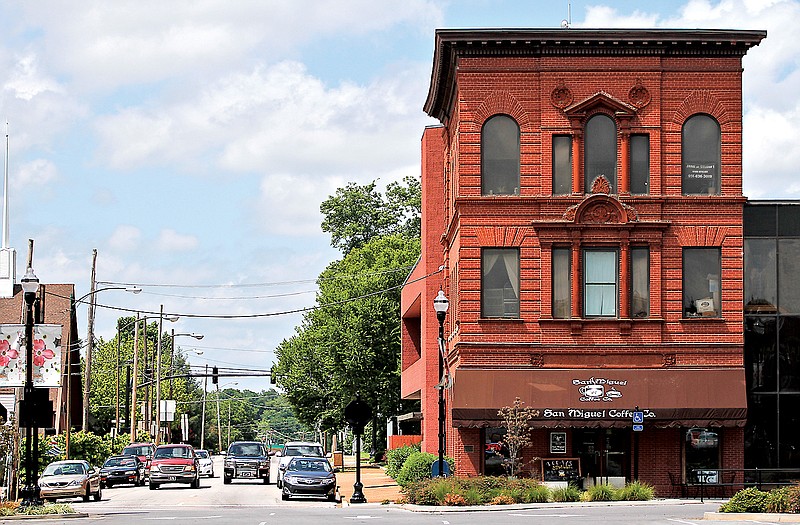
(272, 375)
(215, 375)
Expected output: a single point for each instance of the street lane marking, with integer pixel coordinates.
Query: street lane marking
(362, 517)
(547, 515)
(681, 521)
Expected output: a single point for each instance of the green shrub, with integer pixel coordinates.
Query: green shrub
(396, 457)
(568, 493)
(748, 500)
(474, 495)
(636, 491)
(777, 500)
(601, 492)
(418, 467)
(537, 493)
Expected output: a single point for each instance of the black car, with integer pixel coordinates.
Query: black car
(308, 476)
(122, 469)
(246, 460)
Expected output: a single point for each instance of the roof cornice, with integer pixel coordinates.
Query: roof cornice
(450, 44)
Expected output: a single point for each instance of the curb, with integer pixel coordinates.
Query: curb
(44, 516)
(752, 516)
(433, 509)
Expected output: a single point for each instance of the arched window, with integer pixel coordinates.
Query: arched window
(600, 156)
(500, 156)
(700, 156)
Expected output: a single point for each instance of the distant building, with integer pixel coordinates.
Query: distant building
(582, 210)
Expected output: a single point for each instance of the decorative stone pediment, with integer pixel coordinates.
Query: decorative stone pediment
(600, 209)
(600, 101)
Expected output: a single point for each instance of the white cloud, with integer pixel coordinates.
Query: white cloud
(25, 80)
(38, 173)
(171, 241)
(102, 45)
(125, 238)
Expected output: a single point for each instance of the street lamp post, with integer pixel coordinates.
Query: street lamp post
(30, 492)
(440, 305)
(173, 335)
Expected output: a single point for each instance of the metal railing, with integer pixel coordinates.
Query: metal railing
(706, 480)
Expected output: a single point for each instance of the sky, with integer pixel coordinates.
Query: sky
(191, 142)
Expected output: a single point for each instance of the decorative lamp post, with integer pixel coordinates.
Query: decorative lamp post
(440, 305)
(30, 492)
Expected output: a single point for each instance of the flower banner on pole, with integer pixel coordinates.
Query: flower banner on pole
(46, 369)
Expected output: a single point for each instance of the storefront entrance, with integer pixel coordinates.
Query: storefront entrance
(604, 454)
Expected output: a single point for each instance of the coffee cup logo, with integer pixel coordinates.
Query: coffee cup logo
(592, 391)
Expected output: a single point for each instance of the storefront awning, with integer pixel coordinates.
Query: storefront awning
(599, 397)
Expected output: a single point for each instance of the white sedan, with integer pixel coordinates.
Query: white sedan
(206, 464)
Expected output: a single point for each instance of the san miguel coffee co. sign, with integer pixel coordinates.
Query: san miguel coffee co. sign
(598, 390)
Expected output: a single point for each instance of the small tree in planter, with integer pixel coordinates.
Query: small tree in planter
(518, 436)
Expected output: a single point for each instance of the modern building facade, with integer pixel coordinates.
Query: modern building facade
(582, 210)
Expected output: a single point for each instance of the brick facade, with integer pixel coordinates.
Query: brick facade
(551, 82)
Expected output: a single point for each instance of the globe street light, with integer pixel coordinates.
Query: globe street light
(30, 492)
(440, 305)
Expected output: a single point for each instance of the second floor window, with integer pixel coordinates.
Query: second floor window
(562, 164)
(701, 286)
(640, 164)
(600, 156)
(600, 283)
(500, 156)
(500, 282)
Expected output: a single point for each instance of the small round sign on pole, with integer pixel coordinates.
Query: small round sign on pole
(357, 414)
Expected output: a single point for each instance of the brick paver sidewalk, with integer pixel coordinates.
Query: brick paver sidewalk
(378, 487)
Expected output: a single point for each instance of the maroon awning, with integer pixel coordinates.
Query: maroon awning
(600, 397)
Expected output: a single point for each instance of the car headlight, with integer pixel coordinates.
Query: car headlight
(291, 479)
(229, 463)
(328, 481)
(188, 468)
(74, 483)
(154, 468)
(130, 472)
(263, 463)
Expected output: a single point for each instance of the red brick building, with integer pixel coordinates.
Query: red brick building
(582, 211)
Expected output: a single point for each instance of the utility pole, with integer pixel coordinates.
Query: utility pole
(135, 374)
(87, 381)
(203, 418)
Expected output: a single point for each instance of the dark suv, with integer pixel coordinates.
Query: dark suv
(246, 460)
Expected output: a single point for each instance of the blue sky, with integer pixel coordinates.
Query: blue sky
(191, 143)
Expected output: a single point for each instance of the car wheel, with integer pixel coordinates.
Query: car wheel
(227, 480)
(196, 482)
(141, 482)
(332, 497)
(99, 494)
(279, 483)
(285, 497)
(153, 486)
(266, 479)
(211, 475)
(87, 495)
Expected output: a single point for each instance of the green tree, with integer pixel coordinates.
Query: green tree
(518, 431)
(357, 213)
(351, 342)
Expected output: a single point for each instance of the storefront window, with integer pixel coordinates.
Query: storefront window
(702, 447)
(760, 276)
(494, 452)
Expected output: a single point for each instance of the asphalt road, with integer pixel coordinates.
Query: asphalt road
(254, 503)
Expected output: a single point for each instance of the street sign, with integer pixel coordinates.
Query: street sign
(638, 417)
(638, 428)
(436, 469)
(357, 413)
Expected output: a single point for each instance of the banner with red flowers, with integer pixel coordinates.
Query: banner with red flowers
(46, 355)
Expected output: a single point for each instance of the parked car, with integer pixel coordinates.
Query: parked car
(70, 479)
(296, 448)
(122, 469)
(246, 460)
(145, 453)
(309, 476)
(206, 464)
(174, 464)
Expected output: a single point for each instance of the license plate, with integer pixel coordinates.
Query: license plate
(248, 473)
(172, 478)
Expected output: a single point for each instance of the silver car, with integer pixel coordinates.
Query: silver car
(296, 448)
(70, 479)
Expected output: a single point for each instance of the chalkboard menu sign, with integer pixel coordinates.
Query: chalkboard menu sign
(561, 469)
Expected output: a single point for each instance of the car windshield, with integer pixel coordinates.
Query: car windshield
(138, 451)
(64, 469)
(303, 450)
(202, 454)
(172, 452)
(245, 449)
(119, 462)
(309, 465)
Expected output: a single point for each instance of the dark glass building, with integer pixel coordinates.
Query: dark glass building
(772, 333)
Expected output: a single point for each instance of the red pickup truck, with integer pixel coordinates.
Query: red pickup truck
(174, 464)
